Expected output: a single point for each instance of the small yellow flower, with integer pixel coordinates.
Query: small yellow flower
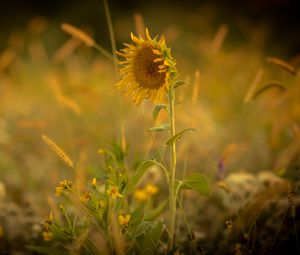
(151, 189)
(64, 185)
(124, 220)
(47, 236)
(113, 190)
(140, 195)
(58, 191)
(94, 183)
(148, 70)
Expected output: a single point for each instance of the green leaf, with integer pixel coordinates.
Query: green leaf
(197, 182)
(141, 229)
(178, 136)
(155, 233)
(60, 232)
(157, 109)
(151, 238)
(162, 127)
(140, 171)
(179, 84)
(39, 249)
(137, 215)
(118, 152)
(153, 214)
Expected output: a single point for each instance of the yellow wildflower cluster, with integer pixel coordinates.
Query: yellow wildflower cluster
(143, 194)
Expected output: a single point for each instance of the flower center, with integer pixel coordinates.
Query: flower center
(146, 72)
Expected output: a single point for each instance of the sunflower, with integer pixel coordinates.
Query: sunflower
(148, 70)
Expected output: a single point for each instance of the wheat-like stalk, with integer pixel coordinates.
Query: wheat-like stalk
(284, 65)
(252, 89)
(196, 87)
(89, 41)
(79, 34)
(219, 38)
(139, 25)
(58, 151)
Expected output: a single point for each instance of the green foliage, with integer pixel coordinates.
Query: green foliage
(83, 213)
(177, 136)
(197, 182)
(162, 127)
(180, 83)
(157, 109)
(156, 212)
(147, 237)
(138, 174)
(53, 249)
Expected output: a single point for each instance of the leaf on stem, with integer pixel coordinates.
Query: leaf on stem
(197, 182)
(162, 127)
(177, 136)
(179, 84)
(157, 109)
(140, 171)
(148, 242)
(154, 213)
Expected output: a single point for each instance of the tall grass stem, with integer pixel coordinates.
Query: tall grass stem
(115, 60)
(172, 199)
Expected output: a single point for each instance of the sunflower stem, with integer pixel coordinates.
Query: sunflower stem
(172, 199)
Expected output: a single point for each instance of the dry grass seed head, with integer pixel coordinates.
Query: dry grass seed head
(79, 34)
(63, 156)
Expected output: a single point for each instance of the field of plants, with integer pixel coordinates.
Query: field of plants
(161, 130)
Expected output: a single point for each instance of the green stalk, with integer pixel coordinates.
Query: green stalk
(172, 199)
(111, 208)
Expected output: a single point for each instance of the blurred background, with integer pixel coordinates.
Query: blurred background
(279, 16)
(52, 84)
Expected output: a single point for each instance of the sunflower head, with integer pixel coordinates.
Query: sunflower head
(148, 69)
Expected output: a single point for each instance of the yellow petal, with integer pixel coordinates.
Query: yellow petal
(148, 35)
(127, 218)
(135, 39)
(162, 41)
(158, 60)
(157, 52)
(121, 219)
(162, 71)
